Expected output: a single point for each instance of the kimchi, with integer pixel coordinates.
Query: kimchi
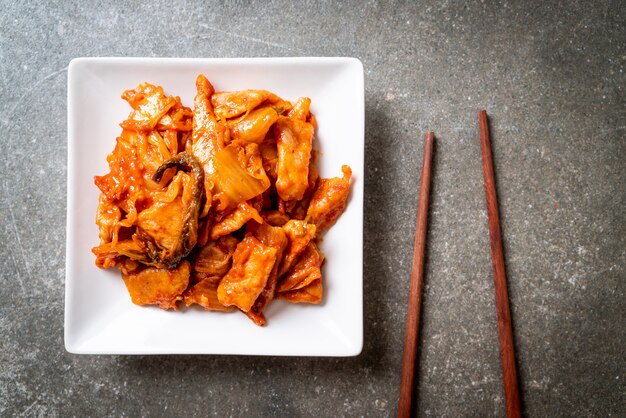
(219, 205)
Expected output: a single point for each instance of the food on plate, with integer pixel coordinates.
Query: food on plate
(219, 206)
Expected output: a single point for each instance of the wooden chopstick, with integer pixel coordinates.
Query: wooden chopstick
(507, 349)
(407, 382)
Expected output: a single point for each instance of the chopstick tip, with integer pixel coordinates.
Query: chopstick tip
(483, 119)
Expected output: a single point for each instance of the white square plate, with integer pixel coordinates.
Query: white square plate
(99, 315)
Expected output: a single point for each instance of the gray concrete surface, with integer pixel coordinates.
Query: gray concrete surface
(551, 74)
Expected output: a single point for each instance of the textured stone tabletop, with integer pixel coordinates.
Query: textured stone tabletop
(551, 75)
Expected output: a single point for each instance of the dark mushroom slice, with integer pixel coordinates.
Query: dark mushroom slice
(168, 227)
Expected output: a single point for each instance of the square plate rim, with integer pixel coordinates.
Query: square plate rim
(74, 66)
